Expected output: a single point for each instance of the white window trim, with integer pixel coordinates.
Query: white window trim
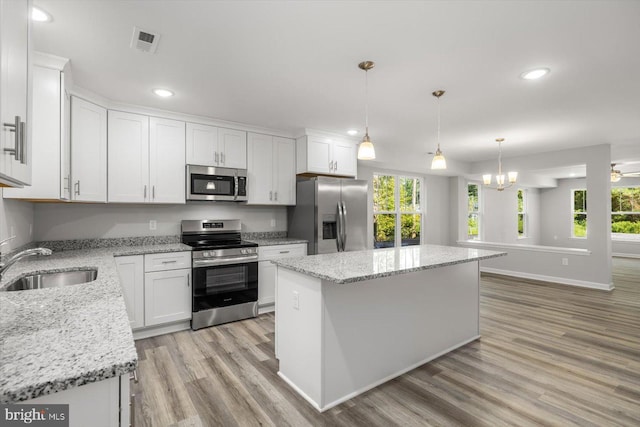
(398, 213)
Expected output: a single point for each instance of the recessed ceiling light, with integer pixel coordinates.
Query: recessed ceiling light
(352, 132)
(163, 93)
(535, 74)
(39, 15)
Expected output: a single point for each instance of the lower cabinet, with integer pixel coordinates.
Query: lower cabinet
(100, 404)
(267, 270)
(156, 289)
(167, 296)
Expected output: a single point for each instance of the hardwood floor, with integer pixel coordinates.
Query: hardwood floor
(549, 355)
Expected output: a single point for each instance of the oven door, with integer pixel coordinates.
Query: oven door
(224, 285)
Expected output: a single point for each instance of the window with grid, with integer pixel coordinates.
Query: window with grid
(579, 213)
(473, 215)
(522, 213)
(625, 211)
(397, 211)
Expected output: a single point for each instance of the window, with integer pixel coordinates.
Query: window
(579, 213)
(522, 215)
(625, 210)
(396, 207)
(473, 218)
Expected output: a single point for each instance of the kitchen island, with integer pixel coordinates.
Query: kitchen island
(349, 321)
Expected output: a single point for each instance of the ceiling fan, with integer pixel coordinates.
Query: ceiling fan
(616, 175)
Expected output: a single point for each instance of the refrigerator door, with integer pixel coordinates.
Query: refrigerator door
(354, 214)
(328, 239)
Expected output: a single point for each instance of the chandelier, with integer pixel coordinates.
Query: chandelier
(500, 183)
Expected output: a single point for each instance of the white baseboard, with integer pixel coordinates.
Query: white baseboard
(374, 384)
(552, 279)
(267, 308)
(621, 255)
(161, 330)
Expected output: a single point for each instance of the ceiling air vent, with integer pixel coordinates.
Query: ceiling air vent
(144, 40)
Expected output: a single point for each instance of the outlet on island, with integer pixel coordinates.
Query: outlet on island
(565, 261)
(296, 300)
(153, 225)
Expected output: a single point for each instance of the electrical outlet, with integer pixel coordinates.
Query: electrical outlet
(296, 300)
(565, 261)
(273, 222)
(153, 225)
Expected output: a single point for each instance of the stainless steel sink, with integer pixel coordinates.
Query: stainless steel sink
(53, 279)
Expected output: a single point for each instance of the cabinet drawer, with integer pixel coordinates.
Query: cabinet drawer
(266, 253)
(167, 261)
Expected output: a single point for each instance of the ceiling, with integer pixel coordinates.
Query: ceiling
(293, 64)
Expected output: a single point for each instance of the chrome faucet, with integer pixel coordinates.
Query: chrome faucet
(17, 257)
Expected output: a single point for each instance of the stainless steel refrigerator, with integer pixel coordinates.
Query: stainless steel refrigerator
(331, 213)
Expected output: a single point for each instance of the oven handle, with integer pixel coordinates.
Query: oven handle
(223, 261)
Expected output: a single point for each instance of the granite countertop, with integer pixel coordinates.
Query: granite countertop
(357, 266)
(274, 241)
(58, 338)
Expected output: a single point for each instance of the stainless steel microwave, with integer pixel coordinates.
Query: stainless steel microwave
(220, 184)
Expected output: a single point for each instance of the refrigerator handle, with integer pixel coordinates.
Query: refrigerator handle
(339, 228)
(344, 226)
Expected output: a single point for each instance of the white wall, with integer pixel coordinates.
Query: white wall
(15, 217)
(499, 221)
(62, 221)
(437, 209)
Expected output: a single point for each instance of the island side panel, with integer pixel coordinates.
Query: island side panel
(378, 329)
(298, 331)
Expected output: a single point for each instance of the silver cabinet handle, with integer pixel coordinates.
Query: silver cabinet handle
(270, 195)
(331, 165)
(77, 187)
(22, 151)
(66, 180)
(284, 252)
(145, 191)
(335, 165)
(344, 226)
(222, 158)
(169, 262)
(15, 128)
(188, 280)
(153, 192)
(275, 196)
(339, 228)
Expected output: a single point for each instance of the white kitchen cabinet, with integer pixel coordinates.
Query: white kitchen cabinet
(88, 151)
(267, 270)
(128, 172)
(212, 146)
(50, 134)
(167, 296)
(131, 274)
(167, 161)
(99, 404)
(146, 159)
(271, 170)
(326, 155)
(15, 82)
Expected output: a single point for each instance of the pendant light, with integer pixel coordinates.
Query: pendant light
(500, 184)
(366, 151)
(438, 162)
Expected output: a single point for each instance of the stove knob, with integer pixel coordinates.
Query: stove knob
(205, 254)
(243, 251)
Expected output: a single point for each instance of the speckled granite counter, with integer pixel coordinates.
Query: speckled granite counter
(349, 267)
(275, 241)
(58, 338)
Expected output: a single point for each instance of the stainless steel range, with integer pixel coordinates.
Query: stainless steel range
(225, 272)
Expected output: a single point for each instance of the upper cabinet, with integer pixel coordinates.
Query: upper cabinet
(146, 159)
(15, 78)
(271, 170)
(50, 136)
(326, 156)
(88, 151)
(212, 146)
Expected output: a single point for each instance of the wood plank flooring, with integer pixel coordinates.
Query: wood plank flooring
(549, 355)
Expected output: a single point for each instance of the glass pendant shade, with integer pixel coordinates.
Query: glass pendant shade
(500, 179)
(438, 162)
(486, 179)
(366, 151)
(513, 176)
(615, 176)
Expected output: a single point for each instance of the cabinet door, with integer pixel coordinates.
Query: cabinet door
(232, 145)
(284, 171)
(344, 158)
(65, 141)
(266, 283)
(319, 155)
(88, 151)
(167, 168)
(167, 296)
(260, 169)
(202, 145)
(14, 90)
(131, 274)
(128, 157)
